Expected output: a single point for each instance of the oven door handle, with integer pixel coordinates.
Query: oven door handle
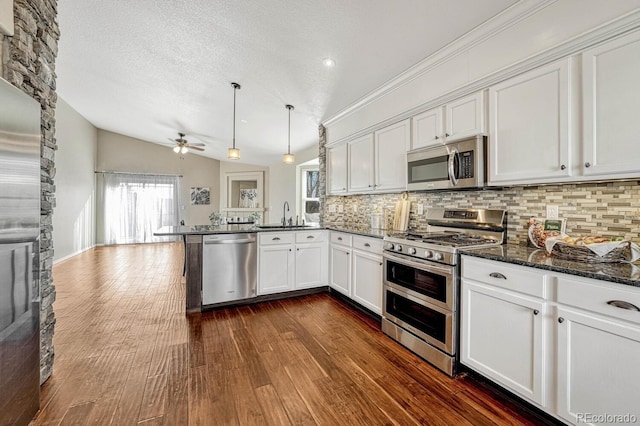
(401, 292)
(418, 264)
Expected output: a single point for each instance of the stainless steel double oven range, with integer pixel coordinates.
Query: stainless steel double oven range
(421, 280)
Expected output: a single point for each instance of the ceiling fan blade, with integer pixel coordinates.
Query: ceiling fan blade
(196, 144)
(195, 148)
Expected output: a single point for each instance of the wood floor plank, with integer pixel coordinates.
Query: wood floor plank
(127, 353)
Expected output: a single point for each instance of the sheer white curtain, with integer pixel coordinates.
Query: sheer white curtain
(135, 206)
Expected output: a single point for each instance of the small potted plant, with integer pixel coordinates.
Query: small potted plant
(254, 217)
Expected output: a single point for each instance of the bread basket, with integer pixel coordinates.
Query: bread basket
(620, 253)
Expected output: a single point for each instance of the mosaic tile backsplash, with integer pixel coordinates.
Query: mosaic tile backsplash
(609, 208)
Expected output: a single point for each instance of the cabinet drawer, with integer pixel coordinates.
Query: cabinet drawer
(341, 238)
(372, 245)
(310, 236)
(600, 296)
(268, 238)
(500, 274)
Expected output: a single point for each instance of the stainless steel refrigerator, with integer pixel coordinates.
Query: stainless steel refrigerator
(19, 256)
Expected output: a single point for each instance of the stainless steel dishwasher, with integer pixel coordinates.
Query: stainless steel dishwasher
(229, 267)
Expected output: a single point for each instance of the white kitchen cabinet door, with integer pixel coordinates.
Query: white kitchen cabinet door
(275, 272)
(598, 370)
(311, 265)
(337, 169)
(530, 130)
(366, 284)
(340, 270)
(502, 338)
(427, 129)
(390, 146)
(465, 117)
(361, 164)
(611, 104)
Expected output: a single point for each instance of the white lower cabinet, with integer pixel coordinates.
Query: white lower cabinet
(356, 269)
(291, 261)
(576, 358)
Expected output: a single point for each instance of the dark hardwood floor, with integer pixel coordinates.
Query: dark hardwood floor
(126, 353)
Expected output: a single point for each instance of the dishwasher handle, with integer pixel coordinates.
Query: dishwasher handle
(247, 241)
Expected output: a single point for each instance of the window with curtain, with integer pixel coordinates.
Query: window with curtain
(310, 199)
(135, 206)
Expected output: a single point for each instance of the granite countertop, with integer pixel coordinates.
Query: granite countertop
(622, 273)
(244, 228)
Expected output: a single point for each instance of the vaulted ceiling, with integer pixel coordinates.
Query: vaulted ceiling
(152, 68)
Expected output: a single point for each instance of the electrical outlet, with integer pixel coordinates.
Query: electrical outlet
(332, 208)
(340, 208)
(420, 208)
(552, 212)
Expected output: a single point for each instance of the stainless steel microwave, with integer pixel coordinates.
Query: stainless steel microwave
(456, 165)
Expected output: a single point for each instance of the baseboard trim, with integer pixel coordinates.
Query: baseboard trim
(63, 259)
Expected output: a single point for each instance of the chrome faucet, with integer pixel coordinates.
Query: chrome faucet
(285, 209)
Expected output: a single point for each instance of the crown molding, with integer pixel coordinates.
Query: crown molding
(501, 22)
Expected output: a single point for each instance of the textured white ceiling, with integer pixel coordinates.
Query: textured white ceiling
(151, 68)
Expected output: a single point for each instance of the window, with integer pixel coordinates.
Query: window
(310, 197)
(135, 206)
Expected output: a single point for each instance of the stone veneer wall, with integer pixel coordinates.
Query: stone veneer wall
(322, 168)
(609, 208)
(28, 62)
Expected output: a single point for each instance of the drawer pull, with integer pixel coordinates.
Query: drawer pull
(310, 237)
(623, 305)
(536, 312)
(497, 275)
(367, 245)
(560, 320)
(339, 238)
(275, 239)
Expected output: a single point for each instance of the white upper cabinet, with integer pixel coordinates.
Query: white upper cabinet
(337, 169)
(530, 131)
(465, 117)
(361, 164)
(611, 106)
(390, 148)
(427, 129)
(459, 119)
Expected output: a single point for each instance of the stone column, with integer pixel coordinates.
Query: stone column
(28, 62)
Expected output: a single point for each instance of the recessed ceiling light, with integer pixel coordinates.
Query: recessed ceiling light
(328, 62)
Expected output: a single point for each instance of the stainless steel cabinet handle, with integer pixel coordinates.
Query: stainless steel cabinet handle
(437, 137)
(310, 237)
(367, 245)
(536, 312)
(562, 167)
(296, 249)
(497, 275)
(560, 320)
(275, 239)
(587, 164)
(447, 134)
(623, 305)
(339, 238)
(229, 242)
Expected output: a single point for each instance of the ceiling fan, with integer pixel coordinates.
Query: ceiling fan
(183, 146)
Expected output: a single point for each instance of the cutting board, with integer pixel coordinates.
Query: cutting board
(401, 216)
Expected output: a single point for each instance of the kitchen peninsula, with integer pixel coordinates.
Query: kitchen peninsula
(311, 253)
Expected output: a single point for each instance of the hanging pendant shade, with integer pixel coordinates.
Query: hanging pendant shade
(234, 153)
(289, 158)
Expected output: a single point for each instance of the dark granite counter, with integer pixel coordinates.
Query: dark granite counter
(243, 228)
(622, 273)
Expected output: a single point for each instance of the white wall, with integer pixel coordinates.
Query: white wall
(283, 184)
(119, 153)
(74, 213)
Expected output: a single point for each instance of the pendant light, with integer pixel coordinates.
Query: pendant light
(234, 153)
(289, 158)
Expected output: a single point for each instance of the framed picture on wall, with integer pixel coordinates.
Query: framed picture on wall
(200, 196)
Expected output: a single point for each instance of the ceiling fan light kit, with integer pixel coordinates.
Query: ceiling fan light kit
(183, 145)
(289, 158)
(234, 153)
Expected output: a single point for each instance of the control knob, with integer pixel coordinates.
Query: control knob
(389, 246)
(428, 254)
(438, 256)
(397, 247)
(412, 250)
